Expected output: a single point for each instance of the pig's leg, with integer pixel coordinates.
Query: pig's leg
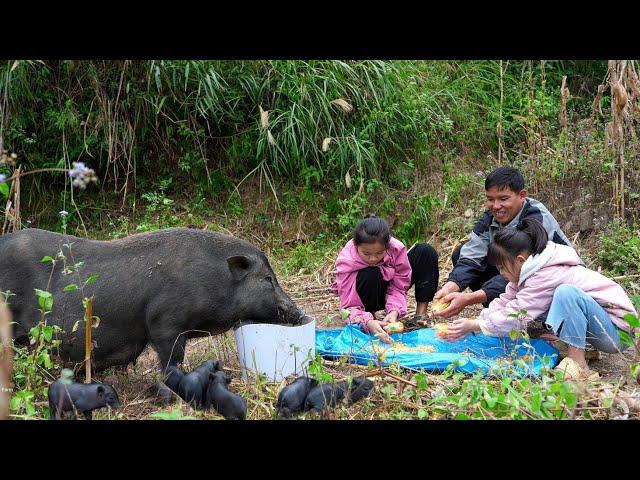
(170, 347)
(54, 413)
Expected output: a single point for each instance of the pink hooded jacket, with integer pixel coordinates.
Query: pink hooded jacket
(539, 277)
(395, 268)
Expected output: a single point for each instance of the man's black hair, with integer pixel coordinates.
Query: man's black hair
(505, 177)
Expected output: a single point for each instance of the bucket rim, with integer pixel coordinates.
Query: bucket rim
(308, 320)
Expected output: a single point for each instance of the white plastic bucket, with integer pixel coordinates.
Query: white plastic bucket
(276, 350)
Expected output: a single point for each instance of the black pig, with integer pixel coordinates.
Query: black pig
(83, 397)
(325, 395)
(291, 398)
(193, 386)
(160, 287)
(328, 394)
(228, 404)
(173, 376)
(360, 388)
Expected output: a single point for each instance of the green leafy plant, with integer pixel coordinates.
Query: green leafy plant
(620, 253)
(175, 414)
(33, 366)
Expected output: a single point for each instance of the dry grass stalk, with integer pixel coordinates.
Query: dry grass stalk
(342, 103)
(619, 96)
(596, 106)
(264, 117)
(12, 220)
(564, 98)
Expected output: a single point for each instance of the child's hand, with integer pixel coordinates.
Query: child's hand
(460, 328)
(376, 327)
(391, 317)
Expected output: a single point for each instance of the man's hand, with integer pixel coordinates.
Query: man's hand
(447, 288)
(457, 301)
(460, 328)
(376, 327)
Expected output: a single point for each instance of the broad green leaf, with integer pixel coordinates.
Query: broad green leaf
(625, 338)
(45, 299)
(35, 331)
(90, 280)
(46, 259)
(421, 381)
(491, 401)
(4, 189)
(15, 402)
(632, 320)
(72, 287)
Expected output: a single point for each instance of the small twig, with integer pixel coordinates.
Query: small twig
(400, 379)
(625, 277)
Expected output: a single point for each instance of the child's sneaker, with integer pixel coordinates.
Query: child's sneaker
(416, 322)
(590, 353)
(573, 371)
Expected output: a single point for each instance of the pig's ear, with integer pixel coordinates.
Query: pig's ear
(240, 265)
(100, 392)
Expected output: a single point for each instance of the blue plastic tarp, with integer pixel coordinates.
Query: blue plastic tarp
(423, 349)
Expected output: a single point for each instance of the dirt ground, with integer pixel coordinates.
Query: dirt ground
(136, 383)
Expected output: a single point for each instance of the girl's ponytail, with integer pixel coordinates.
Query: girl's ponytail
(538, 236)
(529, 236)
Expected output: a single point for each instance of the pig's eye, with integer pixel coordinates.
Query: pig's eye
(268, 279)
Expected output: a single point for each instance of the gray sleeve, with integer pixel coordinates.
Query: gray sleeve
(476, 248)
(554, 231)
(472, 262)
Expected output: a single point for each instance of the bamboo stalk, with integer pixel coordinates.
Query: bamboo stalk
(87, 337)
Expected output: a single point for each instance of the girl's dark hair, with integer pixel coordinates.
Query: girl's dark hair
(371, 230)
(528, 236)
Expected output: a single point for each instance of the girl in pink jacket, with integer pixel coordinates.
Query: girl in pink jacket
(374, 272)
(549, 282)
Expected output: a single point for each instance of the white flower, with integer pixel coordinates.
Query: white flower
(2, 178)
(81, 175)
(63, 213)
